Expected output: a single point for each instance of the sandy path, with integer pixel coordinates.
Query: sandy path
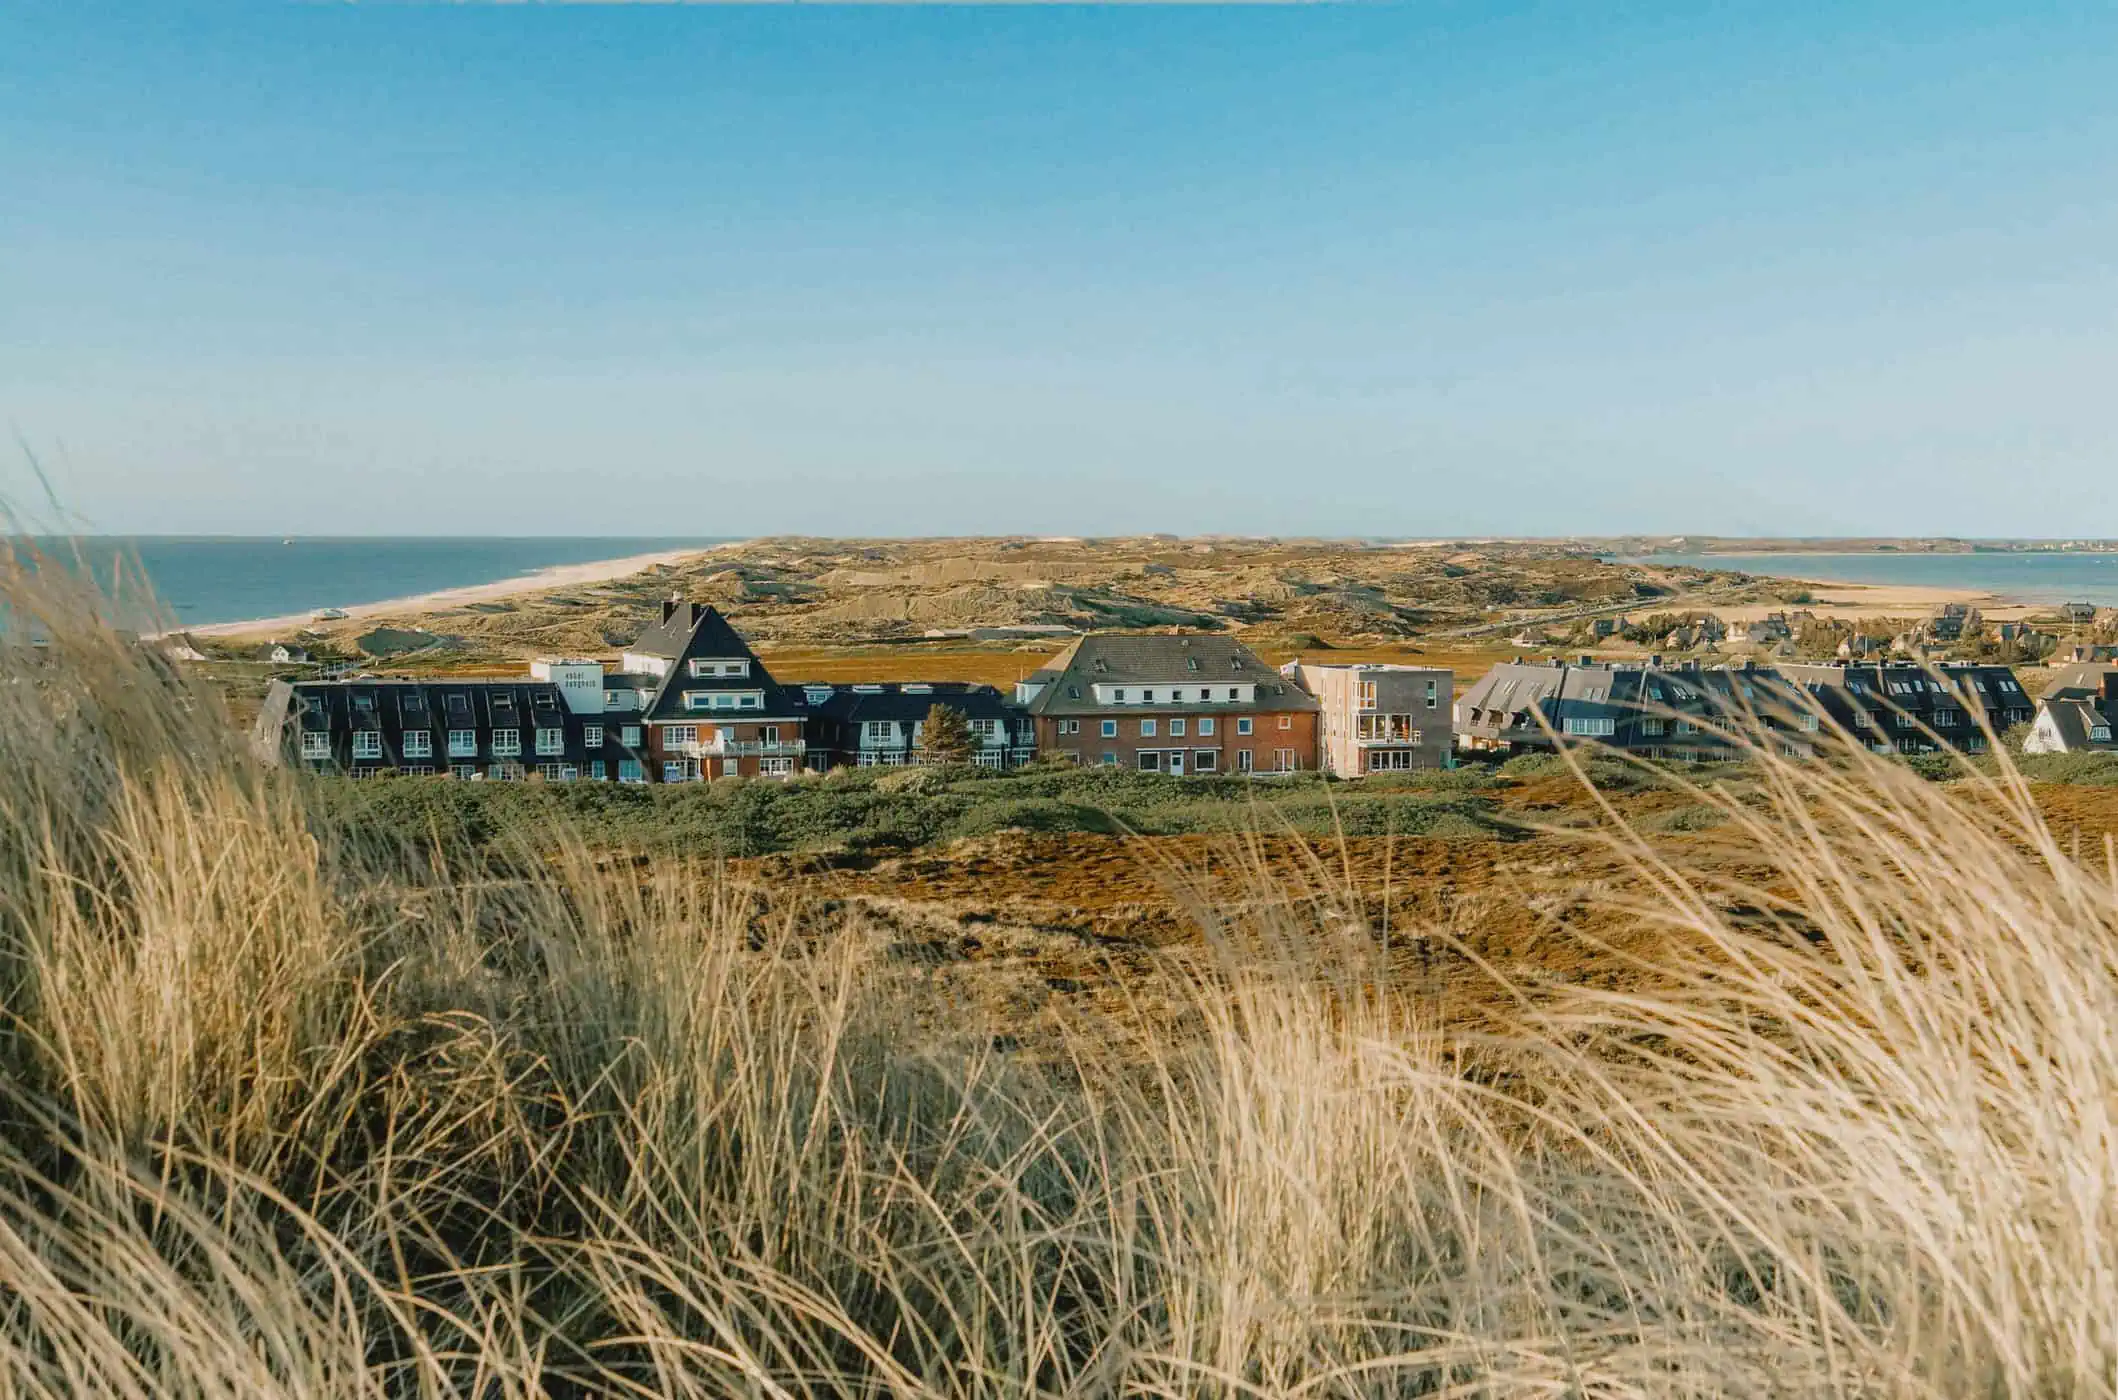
(558, 576)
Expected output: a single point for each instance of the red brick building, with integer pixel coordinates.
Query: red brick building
(1171, 703)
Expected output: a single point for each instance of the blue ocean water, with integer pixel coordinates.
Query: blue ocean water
(202, 579)
(2029, 578)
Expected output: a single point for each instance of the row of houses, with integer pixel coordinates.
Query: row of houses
(689, 701)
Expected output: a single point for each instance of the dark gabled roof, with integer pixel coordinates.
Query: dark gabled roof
(695, 630)
(907, 704)
(341, 708)
(2079, 680)
(1168, 658)
(2073, 719)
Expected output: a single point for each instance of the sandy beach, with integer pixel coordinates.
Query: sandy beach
(1853, 601)
(558, 576)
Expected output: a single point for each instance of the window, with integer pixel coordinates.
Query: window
(1367, 695)
(768, 734)
(1110, 729)
(316, 744)
(506, 772)
(367, 743)
(1286, 721)
(1433, 694)
(629, 736)
(1283, 760)
(1245, 759)
(592, 735)
(1861, 720)
(420, 770)
(507, 743)
(1811, 723)
(551, 740)
(1653, 727)
(984, 728)
(878, 731)
(1150, 760)
(1176, 729)
(1110, 760)
(463, 743)
(1147, 729)
(1070, 726)
(675, 771)
(419, 743)
(1233, 693)
(775, 767)
(551, 772)
(1592, 727)
(1243, 724)
(1391, 760)
(679, 735)
(1118, 695)
(463, 771)
(2099, 734)
(617, 699)
(1204, 760)
(1206, 726)
(629, 771)
(595, 770)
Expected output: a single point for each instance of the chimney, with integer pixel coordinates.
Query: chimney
(1587, 660)
(669, 608)
(2110, 688)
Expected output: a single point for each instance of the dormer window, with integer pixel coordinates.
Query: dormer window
(1101, 665)
(1191, 663)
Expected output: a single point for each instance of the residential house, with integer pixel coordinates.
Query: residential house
(1379, 719)
(1768, 630)
(2076, 712)
(2079, 613)
(866, 726)
(284, 654)
(1178, 703)
(1951, 623)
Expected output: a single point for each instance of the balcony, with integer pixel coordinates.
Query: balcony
(718, 747)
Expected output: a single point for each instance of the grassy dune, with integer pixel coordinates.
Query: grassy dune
(294, 1109)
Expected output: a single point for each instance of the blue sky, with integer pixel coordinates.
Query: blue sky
(1439, 269)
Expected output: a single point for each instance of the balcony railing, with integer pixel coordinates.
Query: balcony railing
(718, 747)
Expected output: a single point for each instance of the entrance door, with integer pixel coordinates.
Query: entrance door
(1176, 763)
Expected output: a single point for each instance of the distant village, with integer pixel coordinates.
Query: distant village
(690, 701)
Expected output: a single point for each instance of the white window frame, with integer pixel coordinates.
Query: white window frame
(1243, 724)
(1147, 729)
(629, 735)
(551, 741)
(316, 743)
(1205, 726)
(419, 743)
(367, 743)
(592, 736)
(631, 770)
(1246, 761)
(463, 743)
(676, 735)
(1176, 727)
(507, 743)
(1110, 729)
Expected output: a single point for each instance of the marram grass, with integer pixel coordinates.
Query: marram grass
(283, 1112)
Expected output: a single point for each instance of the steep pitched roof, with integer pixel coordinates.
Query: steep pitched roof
(689, 631)
(2074, 720)
(906, 704)
(1178, 659)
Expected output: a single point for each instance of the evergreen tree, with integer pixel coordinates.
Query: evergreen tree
(947, 735)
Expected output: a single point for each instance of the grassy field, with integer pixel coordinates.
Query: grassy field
(293, 1103)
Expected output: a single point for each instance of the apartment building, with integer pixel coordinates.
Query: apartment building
(1908, 708)
(1171, 703)
(1659, 712)
(688, 701)
(1379, 719)
(884, 725)
(497, 730)
(707, 705)
(1677, 712)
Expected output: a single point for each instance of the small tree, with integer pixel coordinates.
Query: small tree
(947, 735)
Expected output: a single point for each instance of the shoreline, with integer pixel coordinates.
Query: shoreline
(442, 599)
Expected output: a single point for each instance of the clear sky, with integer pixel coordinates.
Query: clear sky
(1442, 269)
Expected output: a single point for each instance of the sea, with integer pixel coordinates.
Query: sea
(2054, 577)
(196, 580)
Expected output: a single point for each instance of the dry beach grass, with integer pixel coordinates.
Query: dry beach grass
(291, 1113)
